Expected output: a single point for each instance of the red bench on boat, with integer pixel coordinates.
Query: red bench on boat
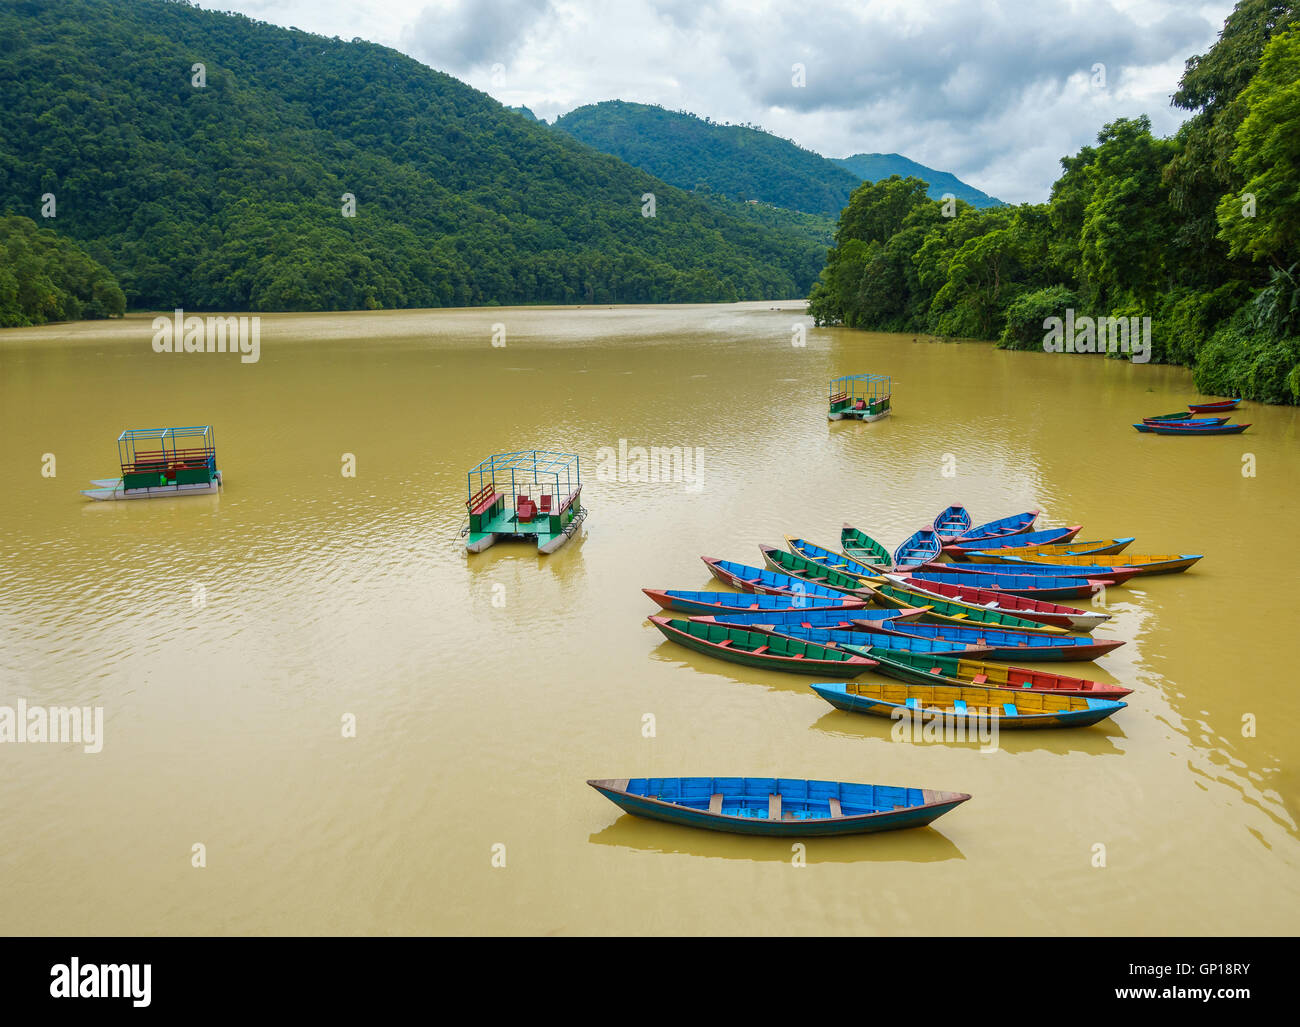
(483, 500)
(525, 510)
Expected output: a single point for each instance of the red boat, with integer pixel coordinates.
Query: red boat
(1217, 407)
(1039, 610)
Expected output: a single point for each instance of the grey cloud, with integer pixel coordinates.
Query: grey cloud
(462, 34)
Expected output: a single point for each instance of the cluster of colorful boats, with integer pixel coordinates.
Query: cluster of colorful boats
(939, 623)
(1186, 422)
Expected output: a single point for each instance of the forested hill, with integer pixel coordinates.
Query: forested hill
(872, 167)
(228, 193)
(1199, 232)
(735, 160)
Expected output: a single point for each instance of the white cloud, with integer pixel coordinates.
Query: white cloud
(994, 92)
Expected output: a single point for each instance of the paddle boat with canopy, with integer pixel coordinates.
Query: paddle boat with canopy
(160, 462)
(859, 397)
(533, 495)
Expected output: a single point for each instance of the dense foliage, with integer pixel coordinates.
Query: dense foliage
(1199, 232)
(872, 167)
(44, 277)
(740, 162)
(230, 195)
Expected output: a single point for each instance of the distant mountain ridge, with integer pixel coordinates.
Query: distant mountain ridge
(743, 162)
(872, 167)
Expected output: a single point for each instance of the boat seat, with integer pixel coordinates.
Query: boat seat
(525, 511)
(959, 705)
(774, 806)
(860, 405)
(1009, 708)
(835, 808)
(544, 504)
(760, 649)
(724, 642)
(979, 679)
(913, 703)
(715, 802)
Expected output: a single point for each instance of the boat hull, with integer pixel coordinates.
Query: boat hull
(947, 670)
(919, 806)
(115, 492)
(1002, 645)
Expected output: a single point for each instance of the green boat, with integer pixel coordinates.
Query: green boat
(762, 649)
(797, 566)
(952, 611)
(858, 545)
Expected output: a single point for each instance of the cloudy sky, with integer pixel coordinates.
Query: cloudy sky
(995, 92)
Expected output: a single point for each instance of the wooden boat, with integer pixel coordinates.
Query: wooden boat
(1216, 406)
(1031, 587)
(1184, 419)
(917, 550)
(1180, 415)
(1001, 644)
(157, 463)
(1016, 524)
(693, 602)
(1045, 537)
(1141, 563)
(919, 669)
(777, 806)
(796, 566)
(889, 591)
(1096, 547)
(858, 545)
(968, 705)
(829, 558)
(1191, 429)
(1008, 568)
(765, 650)
(532, 496)
(756, 579)
(951, 523)
(844, 620)
(861, 636)
(915, 591)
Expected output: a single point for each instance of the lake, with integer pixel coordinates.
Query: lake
(229, 638)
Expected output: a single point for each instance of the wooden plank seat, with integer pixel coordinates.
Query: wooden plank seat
(715, 802)
(774, 806)
(835, 808)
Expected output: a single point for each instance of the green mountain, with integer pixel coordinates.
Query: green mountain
(872, 167)
(737, 161)
(227, 186)
(741, 162)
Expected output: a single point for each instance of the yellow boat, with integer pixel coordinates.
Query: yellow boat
(1143, 563)
(1011, 709)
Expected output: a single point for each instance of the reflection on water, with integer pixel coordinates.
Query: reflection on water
(229, 637)
(916, 845)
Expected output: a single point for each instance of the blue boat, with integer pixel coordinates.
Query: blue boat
(846, 620)
(1002, 644)
(968, 705)
(1013, 525)
(1172, 428)
(780, 806)
(1045, 537)
(951, 523)
(917, 550)
(759, 579)
(863, 639)
(695, 602)
(1013, 567)
(1030, 586)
